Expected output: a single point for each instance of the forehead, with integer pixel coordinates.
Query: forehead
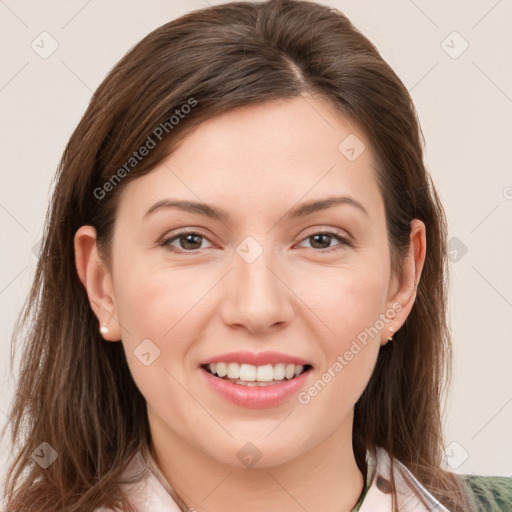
(264, 155)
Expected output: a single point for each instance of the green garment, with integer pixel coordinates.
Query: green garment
(485, 493)
(489, 493)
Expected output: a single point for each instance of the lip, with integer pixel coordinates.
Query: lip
(255, 397)
(256, 359)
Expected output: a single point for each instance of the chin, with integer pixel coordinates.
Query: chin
(258, 452)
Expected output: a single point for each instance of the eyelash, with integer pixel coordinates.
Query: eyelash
(166, 242)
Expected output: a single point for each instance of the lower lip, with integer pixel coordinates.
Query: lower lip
(255, 397)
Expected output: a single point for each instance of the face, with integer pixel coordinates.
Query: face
(282, 283)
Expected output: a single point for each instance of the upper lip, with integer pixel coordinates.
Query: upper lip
(256, 359)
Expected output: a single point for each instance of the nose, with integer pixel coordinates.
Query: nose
(256, 296)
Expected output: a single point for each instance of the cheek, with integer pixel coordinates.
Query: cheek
(351, 308)
(346, 300)
(157, 303)
(156, 312)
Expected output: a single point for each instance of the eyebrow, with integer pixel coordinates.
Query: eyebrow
(213, 212)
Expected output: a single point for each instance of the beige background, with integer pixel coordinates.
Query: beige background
(464, 102)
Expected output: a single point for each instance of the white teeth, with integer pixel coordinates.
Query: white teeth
(289, 372)
(255, 375)
(279, 371)
(247, 372)
(221, 370)
(258, 384)
(233, 371)
(265, 373)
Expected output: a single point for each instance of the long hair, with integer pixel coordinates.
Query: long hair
(75, 391)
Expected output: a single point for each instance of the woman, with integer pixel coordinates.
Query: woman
(240, 300)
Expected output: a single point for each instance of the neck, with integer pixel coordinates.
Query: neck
(325, 478)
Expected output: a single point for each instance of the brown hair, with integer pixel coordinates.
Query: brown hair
(75, 390)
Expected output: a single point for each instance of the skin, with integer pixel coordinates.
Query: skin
(256, 162)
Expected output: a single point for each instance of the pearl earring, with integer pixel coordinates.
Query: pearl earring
(391, 337)
(103, 329)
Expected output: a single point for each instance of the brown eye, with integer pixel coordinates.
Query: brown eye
(319, 241)
(188, 241)
(322, 241)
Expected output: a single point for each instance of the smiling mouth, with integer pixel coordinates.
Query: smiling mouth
(250, 375)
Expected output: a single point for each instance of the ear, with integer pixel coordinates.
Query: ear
(97, 281)
(403, 291)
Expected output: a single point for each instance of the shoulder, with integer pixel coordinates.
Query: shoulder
(142, 488)
(411, 495)
(489, 493)
(485, 493)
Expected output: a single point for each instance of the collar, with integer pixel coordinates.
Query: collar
(153, 492)
(411, 494)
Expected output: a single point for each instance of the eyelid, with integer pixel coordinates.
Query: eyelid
(328, 230)
(343, 236)
(173, 235)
